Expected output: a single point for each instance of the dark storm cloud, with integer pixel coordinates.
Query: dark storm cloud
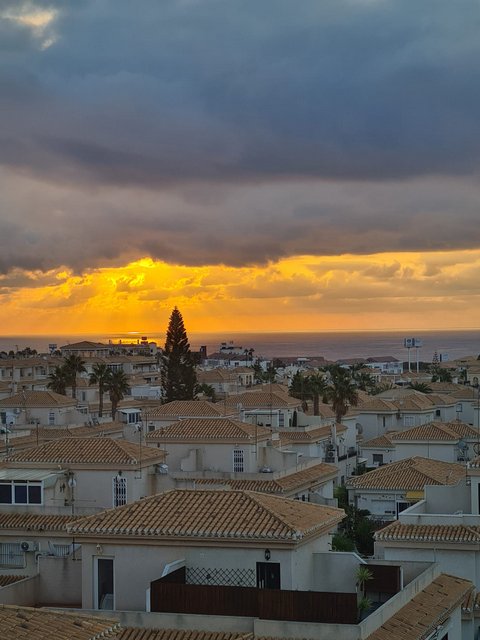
(205, 131)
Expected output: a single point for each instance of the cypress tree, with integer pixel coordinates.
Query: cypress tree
(178, 368)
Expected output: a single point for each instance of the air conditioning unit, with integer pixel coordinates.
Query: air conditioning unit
(28, 545)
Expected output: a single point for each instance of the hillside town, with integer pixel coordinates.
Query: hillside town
(150, 492)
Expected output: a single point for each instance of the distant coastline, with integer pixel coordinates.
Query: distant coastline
(330, 345)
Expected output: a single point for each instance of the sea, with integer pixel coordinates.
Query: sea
(332, 346)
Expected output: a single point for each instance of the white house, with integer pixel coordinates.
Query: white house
(390, 489)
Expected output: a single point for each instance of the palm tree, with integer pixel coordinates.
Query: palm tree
(315, 385)
(207, 390)
(117, 387)
(73, 365)
(57, 380)
(342, 391)
(100, 375)
(420, 386)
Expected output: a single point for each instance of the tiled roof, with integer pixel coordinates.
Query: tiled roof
(85, 344)
(436, 431)
(261, 400)
(377, 404)
(88, 450)
(34, 521)
(24, 623)
(425, 611)
(5, 580)
(285, 484)
(187, 408)
(380, 442)
(131, 633)
(218, 375)
(215, 429)
(238, 515)
(410, 474)
(397, 531)
(312, 435)
(45, 434)
(31, 399)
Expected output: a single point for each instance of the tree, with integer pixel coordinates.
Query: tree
(100, 375)
(341, 392)
(420, 386)
(117, 387)
(207, 390)
(73, 365)
(178, 368)
(57, 380)
(316, 386)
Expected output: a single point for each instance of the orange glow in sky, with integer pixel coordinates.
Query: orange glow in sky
(303, 293)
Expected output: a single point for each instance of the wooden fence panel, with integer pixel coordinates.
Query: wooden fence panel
(269, 604)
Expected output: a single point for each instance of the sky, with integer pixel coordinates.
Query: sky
(264, 166)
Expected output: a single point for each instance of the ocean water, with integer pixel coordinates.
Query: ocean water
(332, 346)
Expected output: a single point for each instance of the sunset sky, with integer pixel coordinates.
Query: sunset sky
(264, 166)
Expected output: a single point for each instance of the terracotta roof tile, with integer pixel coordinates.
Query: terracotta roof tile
(45, 434)
(380, 442)
(262, 400)
(238, 515)
(216, 429)
(131, 633)
(22, 623)
(436, 431)
(425, 611)
(410, 474)
(188, 409)
(5, 580)
(397, 531)
(34, 521)
(31, 399)
(88, 450)
(310, 435)
(312, 476)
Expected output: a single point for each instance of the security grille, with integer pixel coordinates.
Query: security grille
(11, 555)
(119, 491)
(238, 466)
(221, 577)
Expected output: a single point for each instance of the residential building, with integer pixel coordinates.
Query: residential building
(78, 475)
(451, 442)
(390, 489)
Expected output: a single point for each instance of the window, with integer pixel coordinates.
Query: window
(408, 421)
(119, 491)
(281, 419)
(19, 492)
(378, 458)
(238, 465)
(51, 417)
(11, 555)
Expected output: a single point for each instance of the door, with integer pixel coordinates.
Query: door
(103, 586)
(268, 575)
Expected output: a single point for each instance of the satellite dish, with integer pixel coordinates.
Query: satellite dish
(462, 445)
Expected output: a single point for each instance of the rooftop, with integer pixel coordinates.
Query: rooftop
(311, 476)
(87, 451)
(216, 430)
(238, 515)
(436, 431)
(33, 399)
(410, 474)
(186, 408)
(428, 609)
(453, 533)
(17, 623)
